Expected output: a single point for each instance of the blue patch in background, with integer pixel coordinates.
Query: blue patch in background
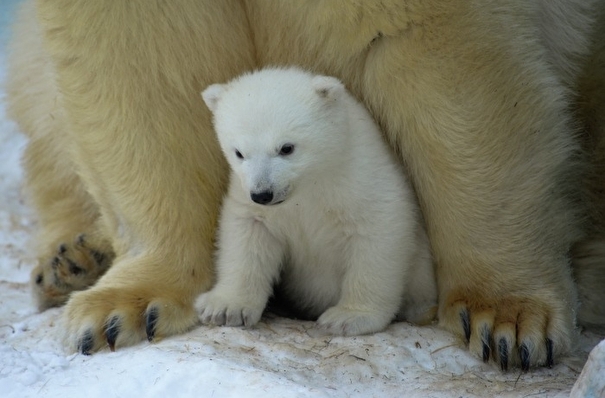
(7, 11)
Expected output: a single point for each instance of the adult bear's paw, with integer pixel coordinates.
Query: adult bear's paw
(522, 330)
(112, 317)
(73, 266)
(123, 309)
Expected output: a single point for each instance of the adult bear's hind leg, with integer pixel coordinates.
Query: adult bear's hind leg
(73, 252)
(64, 209)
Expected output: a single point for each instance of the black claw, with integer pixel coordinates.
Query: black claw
(524, 354)
(62, 248)
(503, 353)
(111, 332)
(86, 343)
(55, 262)
(39, 279)
(549, 353)
(466, 324)
(485, 340)
(151, 321)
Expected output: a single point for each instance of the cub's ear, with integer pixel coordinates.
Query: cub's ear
(212, 94)
(328, 87)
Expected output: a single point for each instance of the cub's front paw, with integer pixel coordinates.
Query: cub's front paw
(351, 322)
(520, 331)
(73, 266)
(223, 310)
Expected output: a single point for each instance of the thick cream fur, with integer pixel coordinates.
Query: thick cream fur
(129, 127)
(475, 97)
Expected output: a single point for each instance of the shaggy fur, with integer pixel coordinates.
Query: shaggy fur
(475, 97)
(332, 219)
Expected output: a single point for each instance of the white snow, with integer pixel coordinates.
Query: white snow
(275, 359)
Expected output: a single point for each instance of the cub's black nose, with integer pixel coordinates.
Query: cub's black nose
(262, 198)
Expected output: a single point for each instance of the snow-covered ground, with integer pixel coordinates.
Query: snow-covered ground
(276, 359)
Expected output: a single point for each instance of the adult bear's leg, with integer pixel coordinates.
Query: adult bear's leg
(483, 123)
(131, 74)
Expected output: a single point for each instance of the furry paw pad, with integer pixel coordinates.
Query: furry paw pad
(73, 266)
(214, 309)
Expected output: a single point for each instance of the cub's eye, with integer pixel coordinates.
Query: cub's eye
(239, 154)
(287, 149)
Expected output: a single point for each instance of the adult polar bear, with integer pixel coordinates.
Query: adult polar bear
(472, 95)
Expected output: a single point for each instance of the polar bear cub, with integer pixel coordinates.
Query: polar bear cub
(317, 203)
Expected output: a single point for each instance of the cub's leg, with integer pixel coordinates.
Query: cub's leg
(130, 74)
(64, 209)
(248, 263)
(419, 304)
(373, 284)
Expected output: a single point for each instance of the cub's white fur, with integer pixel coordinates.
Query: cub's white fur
(336, 222)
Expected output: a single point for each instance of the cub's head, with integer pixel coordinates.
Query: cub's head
(281, 130)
